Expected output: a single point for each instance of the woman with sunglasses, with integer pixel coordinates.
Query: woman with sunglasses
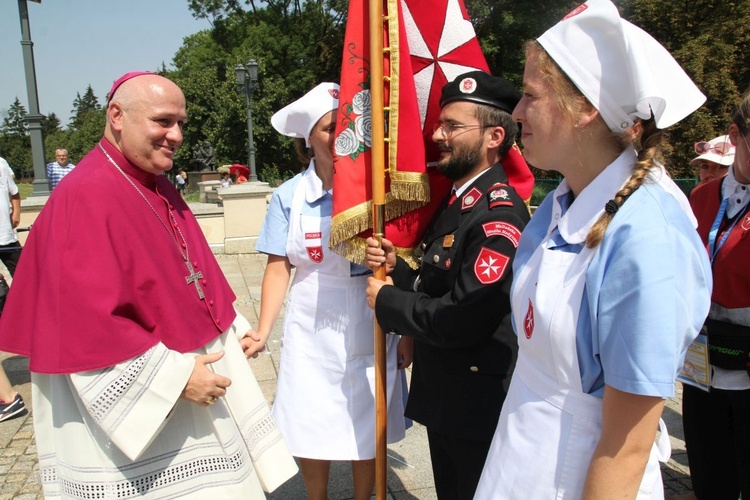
(714, 158)
(717, 422)
(611, 282)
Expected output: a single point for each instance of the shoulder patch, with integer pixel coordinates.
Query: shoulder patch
(504, 229)
(471, 198)
(490, 266)
(498, 196)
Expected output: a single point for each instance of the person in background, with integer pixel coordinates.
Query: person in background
(226, 180)
(11, 403)
(717, 422)
(714, 158)
(10, 217)
(456, 305)
(59, 168)
(181, 182)
(139, 381)
(324, 404)
(611, 281)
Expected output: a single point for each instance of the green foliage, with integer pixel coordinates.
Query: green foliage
(297, 45)
(82, 105)
(15, 145)
(50, 125)
(16, 149)
(79, 140)
(14, 123)
(709, 39)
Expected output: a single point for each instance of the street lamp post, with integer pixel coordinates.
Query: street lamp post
(34, 118)
(247, 82)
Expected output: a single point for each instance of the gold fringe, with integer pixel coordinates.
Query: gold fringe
(393, 88)
(358, 218)
(353, 250)
(410, 186)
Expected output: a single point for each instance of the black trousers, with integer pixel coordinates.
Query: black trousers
(10, 254)
(456, 465)
(717, 438)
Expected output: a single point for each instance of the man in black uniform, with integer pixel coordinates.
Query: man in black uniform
(457, 305)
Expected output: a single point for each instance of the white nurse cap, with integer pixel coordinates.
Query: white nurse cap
(620, 68)
(298, 118)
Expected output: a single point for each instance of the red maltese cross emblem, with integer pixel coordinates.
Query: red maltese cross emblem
(528, 321)
(489, 266)
(315, 253)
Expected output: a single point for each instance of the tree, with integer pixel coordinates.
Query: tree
(709, 39)
(297, 44)
(50, 125)
(83, 138)
(14, 123)
(83, 105)
(15, 144)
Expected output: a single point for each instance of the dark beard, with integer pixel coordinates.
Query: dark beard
(461, 161)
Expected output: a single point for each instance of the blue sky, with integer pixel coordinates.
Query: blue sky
(82, 42)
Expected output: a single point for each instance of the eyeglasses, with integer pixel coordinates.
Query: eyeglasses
(721, 148)
(448, 129)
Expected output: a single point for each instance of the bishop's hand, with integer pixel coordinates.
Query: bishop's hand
(204, 386)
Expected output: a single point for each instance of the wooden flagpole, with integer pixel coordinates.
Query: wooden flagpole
(378, 222)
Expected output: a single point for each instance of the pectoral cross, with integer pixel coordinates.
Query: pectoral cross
(193, 277)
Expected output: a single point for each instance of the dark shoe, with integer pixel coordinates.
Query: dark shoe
(14, 409)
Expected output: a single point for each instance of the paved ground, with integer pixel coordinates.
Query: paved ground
(410, 474)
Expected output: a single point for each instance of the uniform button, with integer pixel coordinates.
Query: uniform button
(211, 303)
(424, 245)
(204, 282)
(474, 369)
(218, 321)
(557, 216)
(195, 265)
(435, 259)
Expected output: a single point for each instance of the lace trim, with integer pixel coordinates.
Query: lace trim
(208, 469)
(100, 406)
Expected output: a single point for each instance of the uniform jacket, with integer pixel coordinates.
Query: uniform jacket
(457, 308)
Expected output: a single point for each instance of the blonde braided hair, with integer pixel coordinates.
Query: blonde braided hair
(651, 142)
(571, 102)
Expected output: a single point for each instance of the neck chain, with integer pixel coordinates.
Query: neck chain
(193, 277)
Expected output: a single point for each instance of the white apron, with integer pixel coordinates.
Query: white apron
(325, 404)
(548, 426)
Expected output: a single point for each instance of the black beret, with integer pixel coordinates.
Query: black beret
(481, 88)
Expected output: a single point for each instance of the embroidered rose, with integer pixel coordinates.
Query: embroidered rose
(346, 143)
(361, 102)
(363, 129)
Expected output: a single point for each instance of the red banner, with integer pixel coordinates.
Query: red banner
(428, 43)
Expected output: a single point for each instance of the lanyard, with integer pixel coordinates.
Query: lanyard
(713, 248)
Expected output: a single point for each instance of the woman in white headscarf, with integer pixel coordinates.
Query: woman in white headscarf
(324, 405)
(611, 282)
